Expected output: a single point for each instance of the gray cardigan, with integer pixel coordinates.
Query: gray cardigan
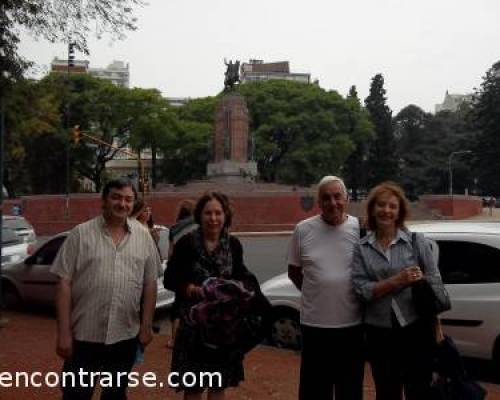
(370, 265)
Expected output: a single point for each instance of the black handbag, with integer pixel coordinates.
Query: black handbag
(452, 382)
(428, 301)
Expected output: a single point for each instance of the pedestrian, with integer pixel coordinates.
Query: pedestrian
(184, 224)
(491, 204)
(386, 263)
(106, 266)
(144, 214)
(319, 261)
(198, 257)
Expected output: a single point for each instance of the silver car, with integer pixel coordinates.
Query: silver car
(469, 261)
(21, 227)
(30, 281)
(14, 249)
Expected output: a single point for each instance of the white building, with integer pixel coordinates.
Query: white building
(117, 72)
(451, 102)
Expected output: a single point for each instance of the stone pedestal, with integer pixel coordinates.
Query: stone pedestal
(230, 162)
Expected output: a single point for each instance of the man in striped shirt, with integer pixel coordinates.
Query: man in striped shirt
(106, 267)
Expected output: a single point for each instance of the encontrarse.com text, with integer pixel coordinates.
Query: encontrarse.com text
(107, 379)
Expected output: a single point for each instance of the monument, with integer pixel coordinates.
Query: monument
(232, 148)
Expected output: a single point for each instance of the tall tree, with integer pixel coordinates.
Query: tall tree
(186, 146)
(32, 118)
(361, 131)
(486, 117)
(414, 150)
(102, 110)
(383, 161)
(151, 118)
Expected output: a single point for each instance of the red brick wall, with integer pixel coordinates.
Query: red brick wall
(252, 212)
(455, 207)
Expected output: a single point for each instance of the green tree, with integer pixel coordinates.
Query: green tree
(185, 151)
(486, 119)
(301, 131)
(383, 160)
(414, 151)
(187, 145)
(32, 119)
(102, 110)
(361, 131)
(151, 119)
(59, 21)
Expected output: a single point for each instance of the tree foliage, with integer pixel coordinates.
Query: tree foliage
(186, 147)
(301, 131)
(486, 119)
(383, 160)
(355, 169)
(32, 121)
(58, 21)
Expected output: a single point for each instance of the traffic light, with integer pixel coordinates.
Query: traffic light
(77, 134)
(71, 54)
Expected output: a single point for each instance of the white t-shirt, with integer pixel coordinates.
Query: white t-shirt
(324, 252)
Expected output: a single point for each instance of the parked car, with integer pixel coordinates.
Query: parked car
(14, 249)
(31, 282)
(22, 228)
(469, 261)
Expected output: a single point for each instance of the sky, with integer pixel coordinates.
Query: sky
(422, 48)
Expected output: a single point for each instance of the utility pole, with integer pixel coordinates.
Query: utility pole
(71, 64)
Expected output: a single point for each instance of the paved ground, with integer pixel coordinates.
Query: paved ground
(27, 345)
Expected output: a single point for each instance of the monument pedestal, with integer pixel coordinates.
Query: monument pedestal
(230, 161)
(232, 171)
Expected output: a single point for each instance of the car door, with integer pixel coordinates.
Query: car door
(39, 284)
(470, 268)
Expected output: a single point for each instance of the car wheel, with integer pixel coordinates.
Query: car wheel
(285, 329)
(10, 296)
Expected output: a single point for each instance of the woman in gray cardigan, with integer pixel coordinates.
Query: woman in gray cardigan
(385, 265)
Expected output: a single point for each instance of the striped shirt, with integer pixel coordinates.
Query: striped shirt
(106, 279)
(372, 264)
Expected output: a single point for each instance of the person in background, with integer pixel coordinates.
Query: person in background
(184, 224)
(143, 213)
(105, 267)
(386, 263)
(319, 265)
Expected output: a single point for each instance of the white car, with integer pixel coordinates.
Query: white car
(14, 249)
(22, 228)
(469, 260)
(30, 281)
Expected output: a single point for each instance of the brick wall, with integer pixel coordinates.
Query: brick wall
(253, 211)
(456, 207)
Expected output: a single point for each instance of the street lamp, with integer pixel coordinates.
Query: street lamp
(449, 166)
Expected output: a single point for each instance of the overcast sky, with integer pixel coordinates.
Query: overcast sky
(421, 47)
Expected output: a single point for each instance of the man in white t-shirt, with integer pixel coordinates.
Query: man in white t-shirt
(319, 260)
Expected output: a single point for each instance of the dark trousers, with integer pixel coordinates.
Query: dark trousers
(97, 357)
(401, 358)
(332, 358)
